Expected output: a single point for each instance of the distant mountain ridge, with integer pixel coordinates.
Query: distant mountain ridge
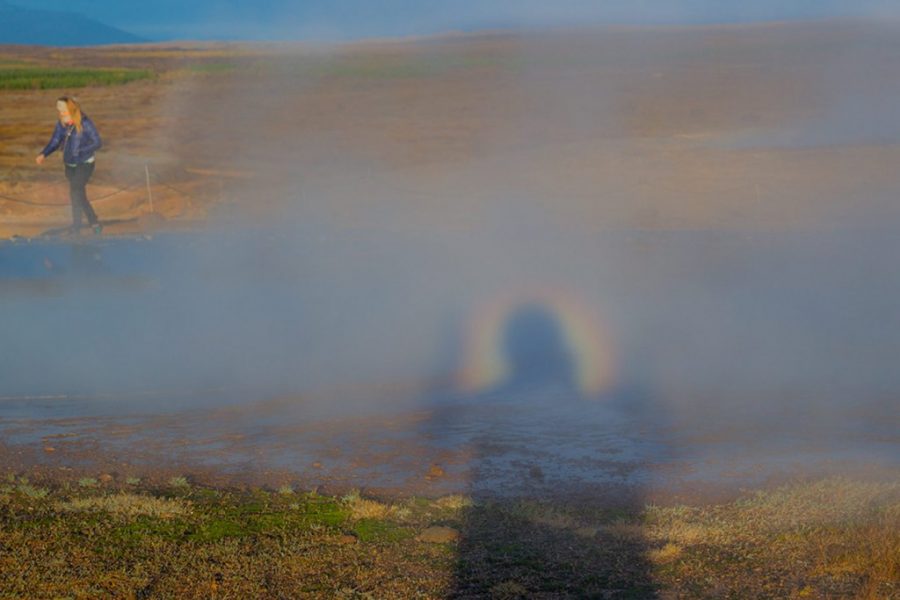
(56, 28)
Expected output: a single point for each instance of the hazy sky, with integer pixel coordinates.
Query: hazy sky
(348, 19)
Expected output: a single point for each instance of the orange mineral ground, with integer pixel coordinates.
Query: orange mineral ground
(756, 127)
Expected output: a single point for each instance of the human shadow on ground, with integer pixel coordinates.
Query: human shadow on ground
(550, 465)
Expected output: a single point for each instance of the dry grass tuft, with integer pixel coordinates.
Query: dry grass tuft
(666, 554)
(453, 502)
(837, 534)
(127, 505)
(828, 501)
(871, 547)
(363, 508)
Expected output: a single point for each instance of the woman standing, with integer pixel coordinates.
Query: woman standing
(79, 138)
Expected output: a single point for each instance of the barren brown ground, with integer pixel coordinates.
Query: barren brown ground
(618, 128)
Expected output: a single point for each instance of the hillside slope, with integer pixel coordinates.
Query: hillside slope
(53, 28)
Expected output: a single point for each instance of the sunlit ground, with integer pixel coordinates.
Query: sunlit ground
(88, 538)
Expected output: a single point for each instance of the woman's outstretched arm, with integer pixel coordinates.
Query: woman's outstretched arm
(59, 133)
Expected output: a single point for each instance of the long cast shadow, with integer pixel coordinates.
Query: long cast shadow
(553, 505)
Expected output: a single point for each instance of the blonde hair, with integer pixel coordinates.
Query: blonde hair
(74, 110)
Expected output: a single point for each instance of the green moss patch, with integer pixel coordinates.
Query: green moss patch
(39, 78)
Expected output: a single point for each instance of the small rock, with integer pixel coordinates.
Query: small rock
(439, 535)
(347, 539)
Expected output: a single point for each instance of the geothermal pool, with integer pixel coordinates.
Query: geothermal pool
(481, 361)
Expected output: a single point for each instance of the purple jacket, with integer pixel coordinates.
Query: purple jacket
(77, 147)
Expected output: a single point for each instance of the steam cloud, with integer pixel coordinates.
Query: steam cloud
(358, 261)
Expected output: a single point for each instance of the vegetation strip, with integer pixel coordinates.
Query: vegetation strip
(40, 78)
(105, 538)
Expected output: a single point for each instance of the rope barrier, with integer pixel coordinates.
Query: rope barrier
(30, 202)
(177, 191)
(97, 198)
(60, 204)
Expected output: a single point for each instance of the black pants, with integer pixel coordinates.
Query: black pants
(78, 177)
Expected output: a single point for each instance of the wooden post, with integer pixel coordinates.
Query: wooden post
(149, 194)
